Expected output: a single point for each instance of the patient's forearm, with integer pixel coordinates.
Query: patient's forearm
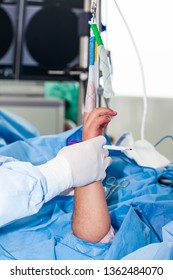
(91, 219)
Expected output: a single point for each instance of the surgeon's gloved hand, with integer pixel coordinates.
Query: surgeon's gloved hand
(76, 165)
(88, 160)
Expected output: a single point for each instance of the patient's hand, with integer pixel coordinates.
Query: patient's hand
(95, 123)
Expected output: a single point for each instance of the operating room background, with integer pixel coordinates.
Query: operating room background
(141, 45)
(151, 25)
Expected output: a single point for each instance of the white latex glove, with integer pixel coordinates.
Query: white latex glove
(76, 165)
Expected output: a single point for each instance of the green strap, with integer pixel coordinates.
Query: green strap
(97, 34)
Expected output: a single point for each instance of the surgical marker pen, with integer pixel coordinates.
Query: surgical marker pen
(116, 148)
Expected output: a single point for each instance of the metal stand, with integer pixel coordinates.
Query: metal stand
(84, 50)
(99, 87)
(83, 63)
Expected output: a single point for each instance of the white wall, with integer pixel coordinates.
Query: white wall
(159, 121)
(151, 23)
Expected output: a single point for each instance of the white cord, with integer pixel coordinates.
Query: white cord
(142, 72)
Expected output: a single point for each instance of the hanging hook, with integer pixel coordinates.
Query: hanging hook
(93, 7)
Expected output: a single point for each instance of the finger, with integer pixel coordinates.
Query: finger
(97, 127)
(108, 161)
(86, 115)
(100, 140)
(97, 112)
(105, 153)
(101, 121)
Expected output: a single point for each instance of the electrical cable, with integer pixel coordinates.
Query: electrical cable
(163, 138)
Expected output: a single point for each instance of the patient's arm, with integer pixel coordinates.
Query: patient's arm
(91, 220)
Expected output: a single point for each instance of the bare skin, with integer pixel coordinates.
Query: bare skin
(91, 219)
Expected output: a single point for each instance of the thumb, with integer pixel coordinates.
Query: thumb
(108, 161)
(101, 140)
